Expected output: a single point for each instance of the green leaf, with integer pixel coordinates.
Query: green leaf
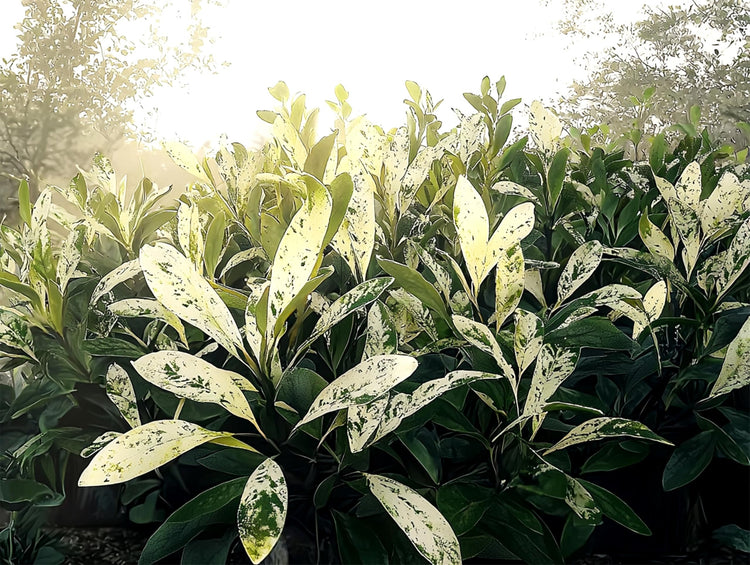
(186, 160)
(362, 384)
(425, 527)
(316, 161)
(357, 542)
(581, 265)
(120, 392)
(689, 460)
(415, 284)
(16, 491)
(596, 332)
(262, 510)
(213, 506)
(112, 347)
(612, 456)
(735, 371)
(214, 243)
(733, 536)
(187, 376)
(181, 289)
(556, 176)
(605, 427)
(24, 203)
(143, 449)
(613, 507)
(12, 282)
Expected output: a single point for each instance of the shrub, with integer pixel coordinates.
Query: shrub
(437, 326)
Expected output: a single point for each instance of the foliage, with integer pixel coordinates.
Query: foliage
(661, 66)
(76, 79)
(440, 327)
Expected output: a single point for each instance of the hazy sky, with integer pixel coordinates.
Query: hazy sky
(369, 47)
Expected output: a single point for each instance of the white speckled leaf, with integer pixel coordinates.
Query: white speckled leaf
(665, 188)
(581, 265)
(99, 443)
(116, 276)
(361, 295)
(143, 449)
(382, 338)
(481, 337)
(527, 338)
(298, 251)
(553, 366)
(147, 308)
(532, 281)
(241, 257)
(360, 214)
(735, 372)
(362, 384)
(576, 496)
(253, 333)
(177, 284)
(416, 309)
(688, 187)
(653, 303)
(736, 260)
(472, 226)
(190, 233)
(187, 376)
(688, 227)
(396, 160)
(362, 420)
(419, 168)
(656, 242)
(120, 392)
(403, 405)
(15, 332)
(472, 132)
(514, 189)
(515, 225)
(422, 523)
(70, 256)
(186, 160)
(604, 427)
(724, 202)
(288, 137)
(545, 128)
(262, 511)
(442, 277)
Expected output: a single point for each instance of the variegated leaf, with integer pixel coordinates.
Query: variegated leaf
(362, 384)
(143, 449)
(688, 187)
(416, 309)
(382, 338)
(402, 405)
(422, 523)
(532, 281)
(147, 308)
(99, 443)
(180, 288)
(253, 333)
(190, 233)
(297, 255)
(527, 338)
(515, 225)
(576, 496)
(581, 265)
(120, 392)
(665, 188)
(603, 428)
(70, 256)
(472, 132)
(15, 332)
(481, 337)
(361, 295)
(396, 160)
(735, 372)
(472, 226)
(262, 511)
(509, 282)
(545, 128)
(722, 204)
(736, 260)
(442, 277)
(241, 257)
(688, 227)
(360, 214)
(187, 376)
(514, 189)
(655, 240)
(653, 304)
(287, 136)
(419, 168)
(116, 276)
(553, 366)
(362, 420)
(186, 160)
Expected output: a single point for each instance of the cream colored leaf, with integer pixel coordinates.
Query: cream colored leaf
(509, 282)
(515, 225)
(241, 257)
(736, 260)
(147, 308)
(605, 427)
(297, 254)
(688, 227)
(98, 443)
(665, 188)
(532, 281)
(656, 242)
(143, 449)
(382, 338)
(581, 265)
(653, 303)
(190, 233)
(545, 128)
(472, 226)
(187, 376)
(186, 160)
(253, 333)
(180, 288)
(514, 189)
(120, 392)
(287, 136)
(422, 523)
(553, 366)
(116, 276)
(688, 187)
(262, 511)
(481, 337)
(360, 214)
(70, 256)
(362, 384)
(527, 338)
(735, 372)
(419, 168)
(362, 420)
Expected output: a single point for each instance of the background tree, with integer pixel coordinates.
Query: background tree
(658, 67)
(82, 68)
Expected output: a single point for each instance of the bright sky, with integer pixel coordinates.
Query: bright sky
(369, 47)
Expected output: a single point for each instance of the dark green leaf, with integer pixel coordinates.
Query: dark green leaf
(613, 507)
(596, 332)
(689, 460)
(113, 347)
